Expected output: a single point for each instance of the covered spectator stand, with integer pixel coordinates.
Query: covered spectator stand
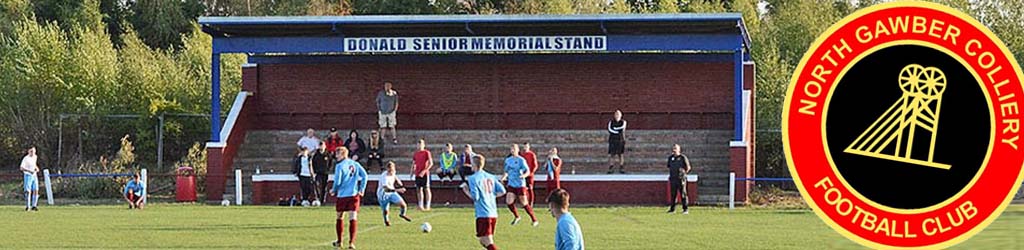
(550, 79)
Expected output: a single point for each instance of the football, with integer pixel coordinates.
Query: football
(316, 203)
(426, 227)
(305, 203)
(225, 202)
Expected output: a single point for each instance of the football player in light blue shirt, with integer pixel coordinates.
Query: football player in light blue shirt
(484, 189)
(349, 185)
(516, 172)
(134, 191)
(568, 234)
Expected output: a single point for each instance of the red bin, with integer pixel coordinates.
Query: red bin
(185, 182)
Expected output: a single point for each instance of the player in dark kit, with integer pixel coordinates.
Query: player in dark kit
(678, 167)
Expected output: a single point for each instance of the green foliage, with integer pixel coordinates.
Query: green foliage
(707, 6)
(563, 7)
(70, 14)
(160, 23)
(196, 159)
(377, 7)
(589, 6)
(115, 17)
(320, 7)
(668, 6)
(618, 7)
(12, 11)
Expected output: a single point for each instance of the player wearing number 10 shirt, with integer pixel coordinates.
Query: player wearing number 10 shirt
(484, 188)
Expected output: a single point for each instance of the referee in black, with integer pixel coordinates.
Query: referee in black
(678, 167)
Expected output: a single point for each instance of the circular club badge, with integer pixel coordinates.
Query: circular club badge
(902, 126)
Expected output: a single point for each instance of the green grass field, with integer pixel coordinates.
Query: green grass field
(248, 227)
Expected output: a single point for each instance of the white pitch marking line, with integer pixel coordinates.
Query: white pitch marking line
(432, 215)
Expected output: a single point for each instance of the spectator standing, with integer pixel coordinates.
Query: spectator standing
(355, 145)
(616, 142)
(678, 167)
(376, 150)
(30, 170)
(554, 167)
(323, 160)
(387, 108)
(310, 141)
(422, 162)
(305, 174)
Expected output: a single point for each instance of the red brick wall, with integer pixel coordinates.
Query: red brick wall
(583, 192)
(219, 160)
(498, 95)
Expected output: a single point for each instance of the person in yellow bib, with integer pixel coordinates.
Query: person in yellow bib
(449, 161)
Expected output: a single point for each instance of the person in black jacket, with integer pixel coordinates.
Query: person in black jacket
(678, 167)
(356, 147)
(322, 162)
(616, 143)
(304, 171)
(376, 150)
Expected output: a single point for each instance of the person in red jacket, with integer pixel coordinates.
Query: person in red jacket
(554, 167)
(334, 141)
(531, 162)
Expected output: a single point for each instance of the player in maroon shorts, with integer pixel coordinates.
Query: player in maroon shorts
(484, 189)
(516, 172)
(531, 162)
(349, 185)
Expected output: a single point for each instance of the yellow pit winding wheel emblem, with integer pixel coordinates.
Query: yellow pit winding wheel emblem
(892, 136)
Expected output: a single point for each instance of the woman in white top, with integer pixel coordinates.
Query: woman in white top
(389, 190)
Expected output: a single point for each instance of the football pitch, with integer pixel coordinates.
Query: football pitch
(174, 226)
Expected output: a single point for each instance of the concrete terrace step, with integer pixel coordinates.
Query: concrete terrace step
(581, 164)
(566, 149)
(515, 136)
(582, 150)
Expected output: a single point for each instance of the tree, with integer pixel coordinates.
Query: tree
(589, 6)
(668, 6)
(563, 7)
(115, 18)
(391, 7)
(70, 14)
(161, 24)
(13, 11)
(618, 7)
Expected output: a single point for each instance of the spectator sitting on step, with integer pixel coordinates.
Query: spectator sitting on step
(376, 150)
(334, 141)
(466, 162)
(356, 147)
(449, 164)
(134, 192)
(310, 141)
